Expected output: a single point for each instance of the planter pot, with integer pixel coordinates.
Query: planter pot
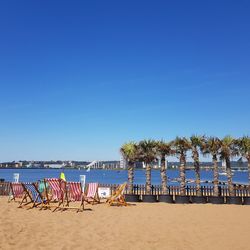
(234, 200)
(182, 199)
(246, 200)
(199, 199)
(132, 197)
(165, 198)
(149, 198)
(216, 199)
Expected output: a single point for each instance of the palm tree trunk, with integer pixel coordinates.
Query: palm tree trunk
(182, 174)
(130, 177)
(197, 174)
(248, 165)
(216, 176)
(163, 176)
(229, 177)
(148, 179)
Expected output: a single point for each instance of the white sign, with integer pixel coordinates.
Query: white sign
(83, 181)
(104, 192)
(16, 177)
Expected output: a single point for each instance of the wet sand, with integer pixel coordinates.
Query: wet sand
(140, 226)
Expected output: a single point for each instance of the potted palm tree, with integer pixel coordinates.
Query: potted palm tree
(197, 143)
(227, 151)
(163, 149)
(243, 144)
(147, 154)
(212, 146)
(129, 153)
(180, 146)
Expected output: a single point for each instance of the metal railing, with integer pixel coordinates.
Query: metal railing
(239, 190)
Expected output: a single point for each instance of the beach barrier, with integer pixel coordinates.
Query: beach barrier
(191, 191)
(4, 188)
(239, 190)
(174, 191)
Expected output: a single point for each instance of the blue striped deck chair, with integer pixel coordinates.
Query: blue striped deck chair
(34, 196)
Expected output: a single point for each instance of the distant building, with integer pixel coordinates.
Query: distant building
(57, 166)
(109, 164)
(123, 163)
(71, 164)
(18, 164)
(139, 165)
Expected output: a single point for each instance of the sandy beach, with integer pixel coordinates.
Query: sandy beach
(140, 226)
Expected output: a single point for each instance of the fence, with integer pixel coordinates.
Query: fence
(239, 190)
(4, 188)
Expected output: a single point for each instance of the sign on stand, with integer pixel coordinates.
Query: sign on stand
(83, 181)
(16, 177)
(104, 192)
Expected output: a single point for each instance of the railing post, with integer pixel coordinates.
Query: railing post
(202, 190)
(219, 191)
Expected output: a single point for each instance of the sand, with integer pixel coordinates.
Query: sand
(141, 226)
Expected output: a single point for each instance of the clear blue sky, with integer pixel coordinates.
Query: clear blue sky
(79, 78)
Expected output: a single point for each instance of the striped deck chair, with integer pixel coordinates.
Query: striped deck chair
(92, 196)
(41, 187)
(16, 191)
(118, 197)
(55, 192)
(32, 195)
(74, 194)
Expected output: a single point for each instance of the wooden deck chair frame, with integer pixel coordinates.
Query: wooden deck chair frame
(78, 187)
(12, 195)
(118, 197)
(92, 199)
(35, 201)
(60, 202)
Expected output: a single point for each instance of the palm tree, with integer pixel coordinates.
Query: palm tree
(163, 149)
(227, 151)
(129, 152)
(244, 149)
(196, 143)
(213, 146)
(180, 146)
(147, 154)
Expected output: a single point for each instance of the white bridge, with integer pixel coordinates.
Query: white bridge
(93, 164)
(103, 165)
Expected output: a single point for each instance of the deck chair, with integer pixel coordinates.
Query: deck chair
(41, 187)
(74, 194)
(92, 196)
(32, 196)
(16, 192)
(55, 192)
(118, 197)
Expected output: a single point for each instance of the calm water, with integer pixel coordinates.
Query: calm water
(110, 176)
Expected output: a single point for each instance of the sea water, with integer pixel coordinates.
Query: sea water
(113, 176)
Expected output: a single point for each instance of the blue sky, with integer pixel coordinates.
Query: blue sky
(79, 78)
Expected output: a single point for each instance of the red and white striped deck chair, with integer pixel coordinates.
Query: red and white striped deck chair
(16, 191)
(75, 194)
(55, 191)
(92, 193)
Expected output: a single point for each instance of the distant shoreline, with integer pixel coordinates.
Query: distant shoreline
(117, 169)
